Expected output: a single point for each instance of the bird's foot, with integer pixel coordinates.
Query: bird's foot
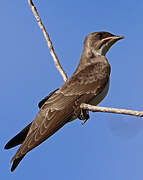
(84, 115)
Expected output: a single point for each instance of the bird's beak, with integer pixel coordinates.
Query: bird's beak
(105, 44)
(112, 39)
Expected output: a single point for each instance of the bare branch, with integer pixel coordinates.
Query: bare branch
(111, 110)
(49, 42)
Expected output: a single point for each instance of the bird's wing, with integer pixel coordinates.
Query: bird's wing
(59, 108)
(91, 80)
(46, 123)
(42, 102)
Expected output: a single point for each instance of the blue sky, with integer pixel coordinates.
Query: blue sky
(108, 146)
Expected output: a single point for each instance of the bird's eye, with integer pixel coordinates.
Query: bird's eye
(100, 35)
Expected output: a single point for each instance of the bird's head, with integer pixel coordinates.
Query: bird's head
(98, 43)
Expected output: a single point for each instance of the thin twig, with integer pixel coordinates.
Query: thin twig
(111, 110)
(49, 42)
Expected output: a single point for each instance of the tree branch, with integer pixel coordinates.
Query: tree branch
(49, 42)
(111, 110)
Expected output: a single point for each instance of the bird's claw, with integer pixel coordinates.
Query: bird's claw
(84, 116)
(84, 121)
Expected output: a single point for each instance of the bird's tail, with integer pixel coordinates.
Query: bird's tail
(19, 138)
(16, 162)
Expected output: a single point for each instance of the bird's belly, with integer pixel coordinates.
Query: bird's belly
(100, 96)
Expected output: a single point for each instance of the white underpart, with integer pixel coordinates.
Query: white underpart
(100, 96)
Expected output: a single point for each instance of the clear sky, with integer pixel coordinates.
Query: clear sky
(108, 146)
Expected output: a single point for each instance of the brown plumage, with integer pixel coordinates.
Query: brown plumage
(63, 105)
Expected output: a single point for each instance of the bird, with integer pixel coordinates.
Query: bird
(88, 84)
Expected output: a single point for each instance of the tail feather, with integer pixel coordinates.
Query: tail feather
(19, 138)
(16, 162)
